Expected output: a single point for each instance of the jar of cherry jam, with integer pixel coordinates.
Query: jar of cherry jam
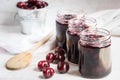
(94, 52)
(75, 27)
(63, 17)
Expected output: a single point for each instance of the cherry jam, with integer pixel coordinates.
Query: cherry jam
(62, 20)
(75, 27)
(94, 53)
(72, 47)
(60, 32)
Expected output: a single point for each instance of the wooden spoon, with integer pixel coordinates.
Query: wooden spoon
(23, 59)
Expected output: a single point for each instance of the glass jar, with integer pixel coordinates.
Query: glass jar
(75, 27)
(63, 16)
(94, 47)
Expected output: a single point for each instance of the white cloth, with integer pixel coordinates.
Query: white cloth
(14, 42)
(108, 19)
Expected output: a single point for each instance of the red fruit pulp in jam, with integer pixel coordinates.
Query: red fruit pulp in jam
(72, 47)
(72, 43)
(61, 27)
(90, 64)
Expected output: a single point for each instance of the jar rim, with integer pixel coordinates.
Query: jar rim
(81, 21)
(105, 34)
(80, 24)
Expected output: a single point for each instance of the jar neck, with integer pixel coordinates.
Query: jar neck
(97, 37)
(76, 25)
(64, 18)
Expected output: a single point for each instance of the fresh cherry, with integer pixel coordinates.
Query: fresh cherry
(44, 3)
(22, 4)
(60, 50)
(59, 57)
(32, 1)
(43, 65)
(59, 54)
(48, 72)
(62, 67)
(29, 4)
(50, 57)
(33, 7)
(41, 4)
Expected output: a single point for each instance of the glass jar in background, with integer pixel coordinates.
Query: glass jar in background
(75, 27)
(94, 46)
(63, 16)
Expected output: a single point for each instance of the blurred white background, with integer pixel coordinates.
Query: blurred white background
(8, 7)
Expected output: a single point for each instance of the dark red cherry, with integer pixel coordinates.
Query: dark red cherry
(48, 72)
(44, 3)
(59, 57)
(39, 4)
(50, 57)
(32, 1)
(25, 7)
(62, 67)
(22, 4)
(61, 52)
(29, 4)
(58, 48)
(33, 7)
(43, 65)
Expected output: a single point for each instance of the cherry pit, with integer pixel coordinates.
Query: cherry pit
(56, 57)
(32, 4)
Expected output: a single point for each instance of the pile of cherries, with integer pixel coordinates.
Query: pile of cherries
(32, 4)
(58, 57)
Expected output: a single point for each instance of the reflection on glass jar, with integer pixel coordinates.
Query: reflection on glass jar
(75, 27)
(94, 46)
(63, 16)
